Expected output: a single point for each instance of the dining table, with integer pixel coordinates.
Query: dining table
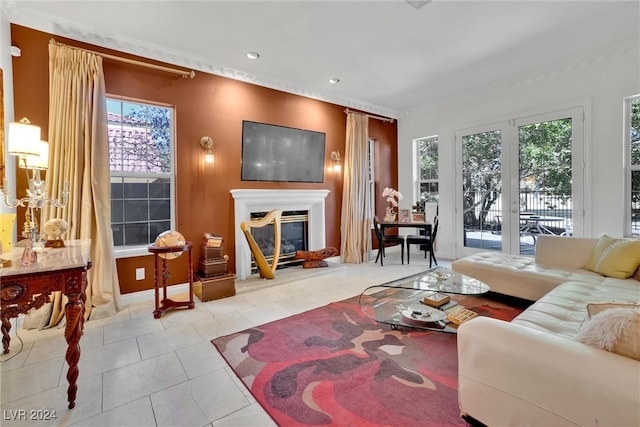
(425, 226)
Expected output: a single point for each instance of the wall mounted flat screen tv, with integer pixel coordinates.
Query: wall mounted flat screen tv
(279, 153)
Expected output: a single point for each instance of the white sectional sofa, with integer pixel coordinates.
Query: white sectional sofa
(531, 371)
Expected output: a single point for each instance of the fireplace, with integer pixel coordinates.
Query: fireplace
(248, 201)
(293, 237)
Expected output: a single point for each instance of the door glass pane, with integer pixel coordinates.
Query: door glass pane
(545, 202)
(482, 190)
(635, 203)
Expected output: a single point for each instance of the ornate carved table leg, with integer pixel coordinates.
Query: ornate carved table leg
(6, 339)
(74, 312)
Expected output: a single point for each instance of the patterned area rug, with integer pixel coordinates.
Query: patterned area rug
(335, 366)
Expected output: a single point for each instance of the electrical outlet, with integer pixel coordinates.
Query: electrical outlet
(139, 273)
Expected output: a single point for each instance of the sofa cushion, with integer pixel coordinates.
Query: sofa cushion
(613, 327)
(613, 257)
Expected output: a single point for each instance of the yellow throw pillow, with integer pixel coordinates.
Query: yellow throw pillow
(613, 257)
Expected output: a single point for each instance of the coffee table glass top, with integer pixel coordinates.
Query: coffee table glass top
(400, 302)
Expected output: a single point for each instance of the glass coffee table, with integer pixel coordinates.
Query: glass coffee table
(401, 303)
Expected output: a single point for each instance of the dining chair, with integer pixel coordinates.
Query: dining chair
(425, 242)
(387, 240)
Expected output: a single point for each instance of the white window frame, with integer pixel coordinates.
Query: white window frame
(142, 250)
(629, 168)
(418, 166)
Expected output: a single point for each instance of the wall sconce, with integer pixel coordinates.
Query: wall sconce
(207, 144)
(335, 158)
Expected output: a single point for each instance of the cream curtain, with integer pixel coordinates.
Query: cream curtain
(355, 217)
(79, 153)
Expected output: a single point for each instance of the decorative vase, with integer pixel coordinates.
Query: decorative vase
(29, 256)
(390, 215)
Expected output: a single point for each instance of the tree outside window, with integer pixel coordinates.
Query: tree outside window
(632, 111)
(141, 165)
(428, 169)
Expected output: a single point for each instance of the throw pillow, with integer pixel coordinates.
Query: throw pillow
(595, 308)
(613, 329)
(613, 257)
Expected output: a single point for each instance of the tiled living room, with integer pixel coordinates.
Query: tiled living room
(518, 122)
(136, 370)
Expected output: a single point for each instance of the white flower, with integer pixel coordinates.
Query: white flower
(392, 196)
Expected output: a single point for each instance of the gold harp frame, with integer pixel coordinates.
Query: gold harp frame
(272, 217)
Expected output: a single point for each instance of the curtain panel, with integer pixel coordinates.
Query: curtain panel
(79, 150)
(355, 216)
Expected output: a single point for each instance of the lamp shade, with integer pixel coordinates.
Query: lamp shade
(41, 161)
(24, 138)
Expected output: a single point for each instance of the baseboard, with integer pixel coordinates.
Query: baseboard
(149, 294)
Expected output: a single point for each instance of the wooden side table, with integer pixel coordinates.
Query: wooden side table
(23, 288)
(163, 274)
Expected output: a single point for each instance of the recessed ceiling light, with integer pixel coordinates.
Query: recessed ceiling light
(253, 55)
(334, 80)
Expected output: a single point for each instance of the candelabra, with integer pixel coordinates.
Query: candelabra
(33, 155)
(36, 199)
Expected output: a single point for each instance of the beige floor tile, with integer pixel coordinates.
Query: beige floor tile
(116, 355)
(141, 379)
(249, 416)
(168, 340)
(138, 413)
(130, 328)
(200, 359)
(50, 407)
(221, 400)
(31, 379)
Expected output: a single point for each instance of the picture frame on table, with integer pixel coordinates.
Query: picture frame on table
(403, 215)
(417, 217)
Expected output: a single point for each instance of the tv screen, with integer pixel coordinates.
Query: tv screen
(279, 153)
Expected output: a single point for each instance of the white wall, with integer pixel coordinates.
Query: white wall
(597, 83)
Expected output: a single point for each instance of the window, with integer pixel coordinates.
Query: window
(141, 142)
(427, 169)
(632, 162)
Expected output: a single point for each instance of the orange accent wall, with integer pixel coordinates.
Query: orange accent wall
(206, 105)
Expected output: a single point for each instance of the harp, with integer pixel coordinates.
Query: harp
(273, 217)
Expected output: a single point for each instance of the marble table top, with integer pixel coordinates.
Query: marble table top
(74, 254)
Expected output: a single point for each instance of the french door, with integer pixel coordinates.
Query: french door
(519, 179)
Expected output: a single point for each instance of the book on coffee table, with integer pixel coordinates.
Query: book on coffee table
(436, 299)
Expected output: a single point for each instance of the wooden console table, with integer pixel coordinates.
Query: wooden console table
(25, 287)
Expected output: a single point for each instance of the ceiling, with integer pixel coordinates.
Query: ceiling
(389, 55)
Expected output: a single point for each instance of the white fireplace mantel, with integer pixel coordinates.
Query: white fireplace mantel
(247, 201)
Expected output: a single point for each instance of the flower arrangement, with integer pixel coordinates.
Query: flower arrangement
(393, 196)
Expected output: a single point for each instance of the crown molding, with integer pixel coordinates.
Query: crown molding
(64, 28)
(627, 48)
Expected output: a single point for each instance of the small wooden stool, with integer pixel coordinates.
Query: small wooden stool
(166, 303)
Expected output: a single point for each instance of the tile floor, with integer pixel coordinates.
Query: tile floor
(139, 371)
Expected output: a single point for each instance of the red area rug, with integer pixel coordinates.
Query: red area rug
(335, 366)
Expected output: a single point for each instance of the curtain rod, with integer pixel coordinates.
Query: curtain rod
(182, 73)
(384, 119)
